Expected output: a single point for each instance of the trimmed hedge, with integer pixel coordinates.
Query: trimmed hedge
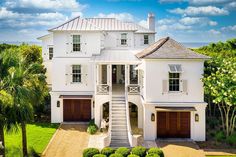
(139, 150)
(152, 155)
(116, 155)
(155, 150)
(90, 152)
(99, 155)
(107, 151)
(123, 151)
(133, 155)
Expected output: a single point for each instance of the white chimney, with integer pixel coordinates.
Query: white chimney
(151, 21)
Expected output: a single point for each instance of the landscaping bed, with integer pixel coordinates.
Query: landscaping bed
(38, 136)
(138, 151)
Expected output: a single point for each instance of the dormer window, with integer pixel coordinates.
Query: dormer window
(145, 39)
(123, 40)
(76, 43)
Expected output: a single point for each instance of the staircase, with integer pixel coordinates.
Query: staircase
(119, 133)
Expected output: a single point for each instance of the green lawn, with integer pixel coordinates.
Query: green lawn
(38, 136)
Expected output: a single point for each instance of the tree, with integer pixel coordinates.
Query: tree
(220, 84)
(6, 102)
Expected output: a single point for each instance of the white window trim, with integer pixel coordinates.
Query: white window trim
(124, 45)
(180, 86)
(72, 82)
(72, 36)
(144, 39)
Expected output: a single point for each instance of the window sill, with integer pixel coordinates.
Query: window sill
(175, 92)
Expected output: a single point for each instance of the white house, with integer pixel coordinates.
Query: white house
(101, 68)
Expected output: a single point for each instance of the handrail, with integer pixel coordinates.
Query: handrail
(130, 137)
(110, 116)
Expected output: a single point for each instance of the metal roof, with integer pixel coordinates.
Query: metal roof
(167, 48)
(100, 24)
(116, 55)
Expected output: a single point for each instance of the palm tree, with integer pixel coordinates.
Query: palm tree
(6, 102)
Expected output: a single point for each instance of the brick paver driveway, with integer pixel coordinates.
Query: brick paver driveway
(69, 141)
(180, 149)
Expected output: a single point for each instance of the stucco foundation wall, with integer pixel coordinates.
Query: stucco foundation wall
(136, 99)
(99, 101)
(197, 130)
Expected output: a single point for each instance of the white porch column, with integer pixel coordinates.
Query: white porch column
(126, 76)
(109, 76)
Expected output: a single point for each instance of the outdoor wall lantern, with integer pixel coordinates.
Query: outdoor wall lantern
(152, 117)
(58, 103)
(196, 117)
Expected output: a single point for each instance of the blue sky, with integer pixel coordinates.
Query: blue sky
(183, 20)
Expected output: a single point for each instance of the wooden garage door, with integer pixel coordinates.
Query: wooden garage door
(173, 124)
(76, 109)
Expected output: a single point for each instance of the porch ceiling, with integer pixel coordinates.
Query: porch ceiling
(116, 56)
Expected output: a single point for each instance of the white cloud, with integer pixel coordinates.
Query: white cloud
(229, 28)
(4, 13)
(175, 26)
(201, 21)
(75, 14)
(45, 4)
(207, 2)
(231, 6)
(172, 1)
(119, 16)
(143, 23)
(165, 21)
(213, 23)
(51, 16)
(205, 10)
(214, 32)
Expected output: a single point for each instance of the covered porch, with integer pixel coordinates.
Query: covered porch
(117, 73)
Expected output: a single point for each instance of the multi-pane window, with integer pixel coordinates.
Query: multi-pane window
(123, 40)
(145, 39)
(76, 43)
(50, 49)
(174, 81)
(76, 73)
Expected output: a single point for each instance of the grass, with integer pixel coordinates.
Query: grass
(38, 136)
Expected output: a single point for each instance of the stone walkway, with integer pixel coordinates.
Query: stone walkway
(180, 149)
(69, 140)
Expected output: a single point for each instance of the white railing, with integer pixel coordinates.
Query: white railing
(103, 89)
(133, 89)
(107, 139)
(130, 137)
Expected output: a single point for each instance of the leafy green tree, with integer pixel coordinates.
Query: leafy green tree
(6, 102)
(221, 85)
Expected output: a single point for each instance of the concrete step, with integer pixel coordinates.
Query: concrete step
(118, 109)
(118, 134)
(115, 137)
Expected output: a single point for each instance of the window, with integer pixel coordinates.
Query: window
(50, 49)
(174, 81)
(145, 39)
(175, 68)
(123, 40)
(76, 43)
(76, 73)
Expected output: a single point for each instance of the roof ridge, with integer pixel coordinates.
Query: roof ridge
(64, 23)
(153, 50)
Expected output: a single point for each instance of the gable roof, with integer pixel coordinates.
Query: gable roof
(168, 48)
(99, 24)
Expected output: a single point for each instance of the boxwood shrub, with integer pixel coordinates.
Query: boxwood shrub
(133, 155)
(99, 155)
(152, 155)
(139, 150)
(123, 151)
(92, 129)
(90, 152)
(116, 155)
(107, 151)
(155, 150)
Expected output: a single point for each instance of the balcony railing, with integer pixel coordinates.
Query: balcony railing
(133, 89)
(103, 89)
